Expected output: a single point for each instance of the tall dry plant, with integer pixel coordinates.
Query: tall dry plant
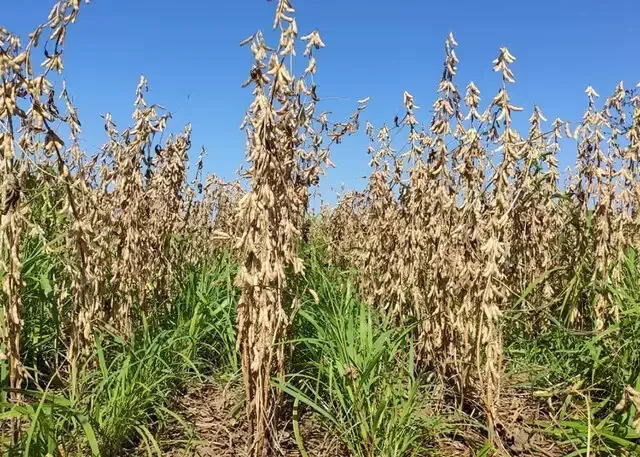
(151, 219)
(28, 114)
(453, 230)
(287, 151)
(128, 212)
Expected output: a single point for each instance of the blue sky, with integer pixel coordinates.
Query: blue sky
(189, 52)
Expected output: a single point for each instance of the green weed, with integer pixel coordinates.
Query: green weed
(356, 372)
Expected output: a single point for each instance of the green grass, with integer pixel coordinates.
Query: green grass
(584, 373)
(349, 367)
(51, 420)
(123, 394)
(356, 372)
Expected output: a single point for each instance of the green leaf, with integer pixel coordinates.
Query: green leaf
(45, 285)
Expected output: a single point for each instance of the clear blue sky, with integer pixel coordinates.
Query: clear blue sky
(189, 51)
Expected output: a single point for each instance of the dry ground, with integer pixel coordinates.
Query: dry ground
(215, 413)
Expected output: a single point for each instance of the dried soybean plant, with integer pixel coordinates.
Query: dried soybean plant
(128, 213)
(453, 230)
(605, 200)
(130, 179)
(496, 244)
(155, 221)
(378, 225)
(28, 116)
(287, 150)
(211, 225)
(345, 228)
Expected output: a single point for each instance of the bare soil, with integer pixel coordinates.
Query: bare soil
(219, 429)
(215, 415)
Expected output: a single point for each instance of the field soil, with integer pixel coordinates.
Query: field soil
(219, 428)
(215, 414)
